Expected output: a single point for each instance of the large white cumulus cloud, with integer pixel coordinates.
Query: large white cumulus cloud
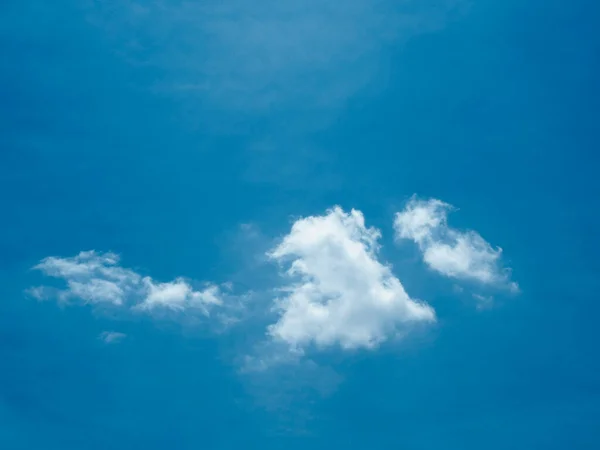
(338, 292)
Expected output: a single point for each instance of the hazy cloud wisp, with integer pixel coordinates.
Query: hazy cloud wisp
(268, 53)
(111, 337)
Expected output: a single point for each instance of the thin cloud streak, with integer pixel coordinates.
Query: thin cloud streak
(249, 56)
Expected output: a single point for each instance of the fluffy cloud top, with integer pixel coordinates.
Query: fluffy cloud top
(98, 278)
(453, 253)
(338, 292)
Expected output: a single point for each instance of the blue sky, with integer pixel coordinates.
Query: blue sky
(361, 224)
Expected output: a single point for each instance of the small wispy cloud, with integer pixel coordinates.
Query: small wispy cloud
(483, 302)
(98, 278)
(337, 291)
(111, 337)
(451, 252)
(268, 355)
(288, 384)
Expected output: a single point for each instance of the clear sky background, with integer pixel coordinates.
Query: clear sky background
(195, 152)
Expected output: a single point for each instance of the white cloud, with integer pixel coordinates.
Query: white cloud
(111, 337)
(97, 278)
(453, 253)
(96, 290)
(179, 295)
(338, 292)
(92, 277)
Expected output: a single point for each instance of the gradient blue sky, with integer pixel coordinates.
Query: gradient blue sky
(189, 137)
